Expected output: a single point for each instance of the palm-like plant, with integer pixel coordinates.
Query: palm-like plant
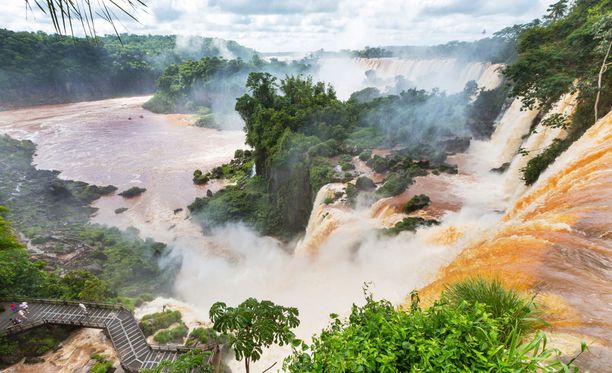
(65, 13)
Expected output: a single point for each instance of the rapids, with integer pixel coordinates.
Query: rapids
(555, 240)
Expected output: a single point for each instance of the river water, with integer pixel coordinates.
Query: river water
(117, 142)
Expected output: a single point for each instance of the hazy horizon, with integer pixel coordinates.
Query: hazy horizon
(295, 26)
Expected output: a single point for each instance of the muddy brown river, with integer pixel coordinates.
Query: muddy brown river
(118, 142)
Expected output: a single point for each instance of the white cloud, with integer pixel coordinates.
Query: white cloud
(298, 25)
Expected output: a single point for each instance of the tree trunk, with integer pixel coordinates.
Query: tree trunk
(599, 79)
(246, 364)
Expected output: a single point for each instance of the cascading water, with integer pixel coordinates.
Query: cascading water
(348, 75)
(555, 240)
(447, 74)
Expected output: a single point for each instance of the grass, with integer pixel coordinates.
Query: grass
(505, 304)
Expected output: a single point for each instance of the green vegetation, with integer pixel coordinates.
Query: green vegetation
(44, 68)
(254, 325)
(102, 365)
(239, 168)
(205, 336)
(209, 85)
(503, 304)
(298, 130)
(174, 335)
(564, 54)
(409, 224)
(132, 192)
(364, 183)
(195, 361)
(449, 336)
(395, 184)
(157, 321)
(417, 202)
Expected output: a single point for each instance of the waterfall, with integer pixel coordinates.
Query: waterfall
(555, 240)
(449, 75)
(541, 138)
(348, 75)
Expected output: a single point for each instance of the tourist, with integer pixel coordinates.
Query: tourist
(24, 306)
(83, 308)
(22, 314)
(13, 307)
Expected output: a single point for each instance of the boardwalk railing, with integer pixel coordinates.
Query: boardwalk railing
(117, 321)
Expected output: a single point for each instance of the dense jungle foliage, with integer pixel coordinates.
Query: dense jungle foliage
(563, 54)
(301, 134)
(47, 68)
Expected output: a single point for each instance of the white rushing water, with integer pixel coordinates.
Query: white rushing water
(349, 75)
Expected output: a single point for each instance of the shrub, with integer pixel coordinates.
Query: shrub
(395, 184)
(175, 334)
(409, 224)
(157, 321)
(539, 163)
(364, 183)
(207, 336)
(365, 155)
(199, 178)
(351, 193)
(132, 192)
(378, 164)
(446, 337)
(416, 203)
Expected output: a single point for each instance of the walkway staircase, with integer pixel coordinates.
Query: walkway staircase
(117, 321)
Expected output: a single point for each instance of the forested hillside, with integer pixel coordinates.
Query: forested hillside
(44, 68)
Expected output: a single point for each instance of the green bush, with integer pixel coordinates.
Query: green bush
(132, 192)
(396, 183)
(364, 183)
(175, 335)
(417, 202)
(365, 155)
(409, 224)
(159, 320)
(206, 336)
(102, 365)
(378, 164)
(539, 163)
(446, 337)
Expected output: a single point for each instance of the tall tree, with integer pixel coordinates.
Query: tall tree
(254, 325)
(556, 10)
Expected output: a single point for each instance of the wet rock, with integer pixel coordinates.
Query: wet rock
(501, 169)
(209, 193)
(121, 210)
(176, 211)
(33, 360)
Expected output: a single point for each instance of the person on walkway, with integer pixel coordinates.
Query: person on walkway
(83, 308)
(13, 307)
(24, 306)
(22, 314)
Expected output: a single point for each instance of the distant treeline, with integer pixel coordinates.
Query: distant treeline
(497, 49)
(44, 68)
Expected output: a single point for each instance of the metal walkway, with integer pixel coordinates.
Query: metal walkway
(119, 323)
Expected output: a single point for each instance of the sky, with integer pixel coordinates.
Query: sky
(308, 25)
